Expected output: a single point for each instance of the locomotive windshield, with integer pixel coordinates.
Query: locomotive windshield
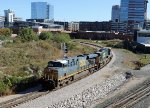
(54, 64)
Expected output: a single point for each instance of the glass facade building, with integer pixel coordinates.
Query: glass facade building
(115, 13)
(41, 10)
(124, 10)
(133, 10)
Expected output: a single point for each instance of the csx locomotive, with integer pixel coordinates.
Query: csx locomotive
(61, 72)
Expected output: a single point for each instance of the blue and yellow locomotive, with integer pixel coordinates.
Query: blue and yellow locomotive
(61, 72)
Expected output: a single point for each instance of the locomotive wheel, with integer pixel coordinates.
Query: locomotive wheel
(91, 70)
(52, 84)
(49, 85)
(71, 78)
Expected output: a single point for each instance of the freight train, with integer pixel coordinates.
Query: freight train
(63, 71)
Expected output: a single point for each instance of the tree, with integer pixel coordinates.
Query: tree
(5, 32)
(62, 38)
(45, 35)
(27, 34)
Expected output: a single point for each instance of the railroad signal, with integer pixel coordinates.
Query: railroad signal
(64, 49)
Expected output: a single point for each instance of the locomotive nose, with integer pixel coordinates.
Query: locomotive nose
(49, 79)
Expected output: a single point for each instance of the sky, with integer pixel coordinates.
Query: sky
(66, 10)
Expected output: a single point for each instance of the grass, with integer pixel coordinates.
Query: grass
(14, 57)
(133, 61)
(19, 60)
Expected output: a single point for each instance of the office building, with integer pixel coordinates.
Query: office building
(17, 19)
(40, 20)
(115, 13)
(64, 24)
(94, 26)
(2, 20)
(9, 16)
(73, 26)
(147, 25)
(143, 37)
(120, 27)
(133, 10)
(42, 10)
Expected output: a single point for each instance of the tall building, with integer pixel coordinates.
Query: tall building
(133, 10)
(42, 10)
(2, 20)
(115, 13)
(9, 16)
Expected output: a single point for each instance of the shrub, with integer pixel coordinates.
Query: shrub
(5, 32)
(2, 37)
(61, 37)
(71, 46)
(17, 40)
(7, 81)
(27, 34)
(25, 83)
(45, 35)
(15, 80)
(2, 87)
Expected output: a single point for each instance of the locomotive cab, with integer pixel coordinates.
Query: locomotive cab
(49, 79)
(51, 74)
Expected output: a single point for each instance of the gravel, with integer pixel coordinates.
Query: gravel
(88, 96)
(78, 99)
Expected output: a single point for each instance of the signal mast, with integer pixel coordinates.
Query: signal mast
(64, 49)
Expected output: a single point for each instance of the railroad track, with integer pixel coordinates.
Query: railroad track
(33, 95)
(22, 99)
(132, 98)
(91, 44)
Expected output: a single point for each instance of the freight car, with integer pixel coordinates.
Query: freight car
(61, 72)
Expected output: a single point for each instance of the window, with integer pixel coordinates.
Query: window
(54, 64)
(144, 34)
